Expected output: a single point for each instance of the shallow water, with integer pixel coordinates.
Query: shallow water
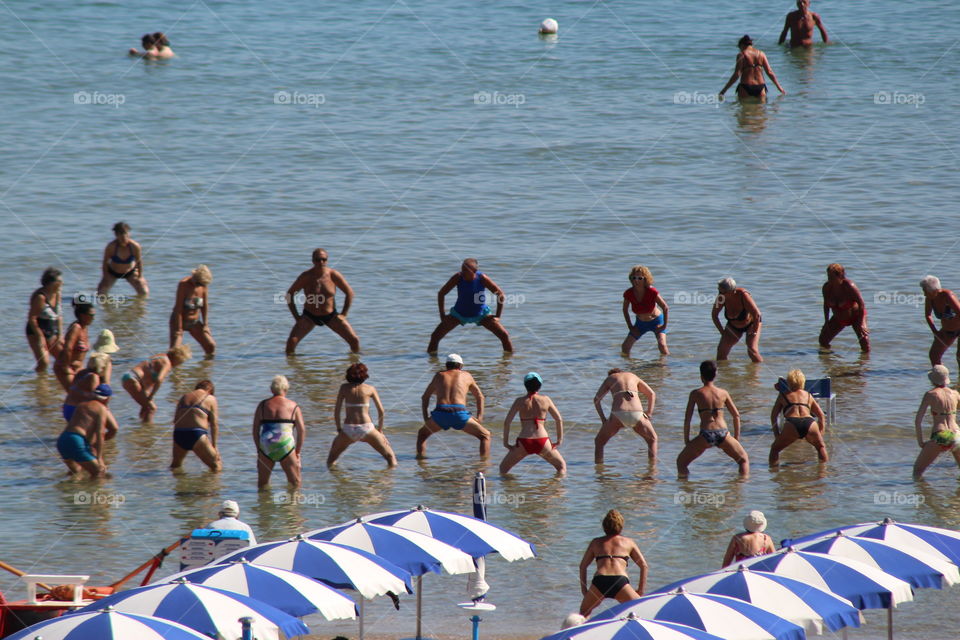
(408, 143)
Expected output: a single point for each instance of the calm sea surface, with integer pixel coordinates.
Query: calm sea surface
(406, 136)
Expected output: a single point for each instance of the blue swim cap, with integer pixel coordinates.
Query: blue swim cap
(533, 375)
(103, 390)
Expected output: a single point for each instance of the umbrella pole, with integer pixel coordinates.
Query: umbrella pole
(361, 616)
(890, 620)
(419, 605)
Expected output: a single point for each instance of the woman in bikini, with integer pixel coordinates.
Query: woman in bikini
(942, 402)
(710, 401)
(354, 398)
(742, 315)
(843, 299)
(612, 553)
(803, 419)
(943, 304)
(143, 381)
(122, 260)
(533, 439)
(752, 542)
(278, 434)
(191, 311)
(643, 299)
(195, 427)
(76, 342)
(85, 383)
(44, 319)
(625, 412)
(749, 69)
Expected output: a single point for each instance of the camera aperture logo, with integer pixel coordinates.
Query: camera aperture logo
(498, 99)
(891, 498)
(699, 498)
(298, 498)
(299, 98)
(98, 98)
(87, 498)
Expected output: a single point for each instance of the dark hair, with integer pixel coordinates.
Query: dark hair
(454, 365)
(316, 253)
(83, 307)
(357, 373)
(49, 275)
(708, 370)
(160, 39)
(613, 371)
(532, 384)
(121, 227)
(745, 41)
(147, 40)
(206, 385)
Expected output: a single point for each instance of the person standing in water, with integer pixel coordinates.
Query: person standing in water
(625, 412)
(802, 416)
(278, 434)
(745, 318)
(800, 24)
(944, 305)
(612, 553)
(752, 542)
(354, 398)
(191, 311)
(943, 403)
(122, 260)
(644, 300)
(843, 307)
(81, 443)
(319, 285)
(143, 381)
(533, 439)
(45, 319)
(471, 305)
(195, 427)
(451, 387)
(749, 69)
(710, 401)
(76, 342)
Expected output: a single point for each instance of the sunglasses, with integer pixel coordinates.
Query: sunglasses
(638, 277)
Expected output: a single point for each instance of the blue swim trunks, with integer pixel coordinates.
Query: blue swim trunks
(650, 325)
(484, 312)
(450, 416)
(73, 446)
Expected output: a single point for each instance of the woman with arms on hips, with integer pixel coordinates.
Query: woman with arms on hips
(803, 419)
(625, 412)
(278, 434)
(45, 320)
(644, 300)
(122, 260)
(612, 553)
(354, 399)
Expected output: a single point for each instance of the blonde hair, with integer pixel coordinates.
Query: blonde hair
(796, 379)
(202, 275)
(643, 271)
(98, 363)
(612, 523)
(279, 385)
(181, 353)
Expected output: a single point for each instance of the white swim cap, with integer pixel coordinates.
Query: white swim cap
(549, 26)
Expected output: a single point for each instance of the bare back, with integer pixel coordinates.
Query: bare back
(88, 418)
(612, 554)
(710, 401)
(194, 410)
(356, 402)
(276, 408)
(533, 410)
(624, 388)
(752, 63)
(451, 386)
(943, 403)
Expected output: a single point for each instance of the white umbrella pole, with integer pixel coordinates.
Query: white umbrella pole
(890, 619)
(361, 616)
(419, 604)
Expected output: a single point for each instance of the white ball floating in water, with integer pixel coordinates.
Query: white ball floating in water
(549, 26)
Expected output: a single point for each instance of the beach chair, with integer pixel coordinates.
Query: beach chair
(820, 389)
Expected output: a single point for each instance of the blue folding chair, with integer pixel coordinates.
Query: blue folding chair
(821, 390)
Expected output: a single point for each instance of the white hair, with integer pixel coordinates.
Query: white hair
(727, 284)
(930, 283)
(279, 385)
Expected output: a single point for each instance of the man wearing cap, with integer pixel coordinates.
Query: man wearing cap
(533, 439)
(471, 307)
(81, 442)
(229, 511)
(451, 388)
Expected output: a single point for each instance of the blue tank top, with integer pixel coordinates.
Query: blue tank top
(471, 296)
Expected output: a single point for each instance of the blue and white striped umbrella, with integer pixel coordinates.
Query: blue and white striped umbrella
(796, 601)
(336, 565)
(209, 611)
(291, 592)
(864, 586)
(631, 628)
(920, 569)
(942, 543)
(415, 552)
(732, 618)
(107, 624)
(472, 536)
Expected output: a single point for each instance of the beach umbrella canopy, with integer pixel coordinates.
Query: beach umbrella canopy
(920, 569)
(631, 627)
(415, 552)
(336, 565)
(864, 586)
(470, 535)
(290, 592)
(796, 601)
(733, 618)
(212, 612)
(942, 543)
(107, 624)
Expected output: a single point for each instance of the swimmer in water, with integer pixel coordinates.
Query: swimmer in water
(278, 434)
(149, 47)
(195, 427)
(122, 260)
(143, 381)
(800, 24)
(625, 412)
(843, 307)
(191, 310)
(803, 419)
(471, 305)
(743, 317)
(354, 398)
(162, 45)
(45, 319)
(644, 300)
(612, 552)
(749, 69)
(710, 401)
(943, 304)
(943, 403)
(533, 439)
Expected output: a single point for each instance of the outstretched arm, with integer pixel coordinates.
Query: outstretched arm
(474, 390)
(660, 302)
(775, 415)
(729, 553)
(642, 563)
(597, 399)
(645, 389)
(295, 288)
(734, 76)
(425, 398)
(379, 405)
(588, 557)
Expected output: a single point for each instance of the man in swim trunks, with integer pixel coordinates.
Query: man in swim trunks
(800, 24)
(81, 443)
(742, 315)
(533, 439)
(451, 388)
(471, 307)
(843, 298)
(319, 284)
(710, 401)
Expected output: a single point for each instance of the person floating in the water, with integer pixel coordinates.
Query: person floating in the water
(471, 306)
(843, 299)
(800, 24)
(749, 69)
(319, 285)
(451, 387)
(533, 439)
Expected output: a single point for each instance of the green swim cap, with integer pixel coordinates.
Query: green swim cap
(945, 438)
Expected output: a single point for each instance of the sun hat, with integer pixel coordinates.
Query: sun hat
(106, 343)
(455, 358)
(754, 522)
(230, 508)
(533, 375)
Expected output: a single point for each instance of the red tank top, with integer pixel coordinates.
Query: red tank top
(642, 306)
